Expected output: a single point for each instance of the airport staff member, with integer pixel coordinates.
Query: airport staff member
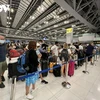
(3, 64)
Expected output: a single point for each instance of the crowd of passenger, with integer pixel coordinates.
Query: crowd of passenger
(40, 51)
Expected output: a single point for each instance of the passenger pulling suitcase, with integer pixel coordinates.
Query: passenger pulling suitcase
(71, 68)
(57, 71)
(44, 65)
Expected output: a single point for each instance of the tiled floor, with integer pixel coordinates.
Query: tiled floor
(83, 87)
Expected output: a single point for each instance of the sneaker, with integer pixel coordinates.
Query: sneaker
(29, 96)
(2, 85)
(34, 92)
(3, 79)
(45, 82)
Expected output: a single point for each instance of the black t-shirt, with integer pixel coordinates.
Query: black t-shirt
(33, 60)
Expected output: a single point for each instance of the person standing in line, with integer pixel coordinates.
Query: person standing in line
(54, 49)
(89, 52)
(3, 64)
(64, 58)
(33, 66)
(39, 67)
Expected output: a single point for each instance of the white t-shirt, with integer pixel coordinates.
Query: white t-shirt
(80, 47)
(55, 50)
(73, 48)
(69, 51)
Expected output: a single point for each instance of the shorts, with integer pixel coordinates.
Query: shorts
(89, 56)
(32, 79)
(3, 66)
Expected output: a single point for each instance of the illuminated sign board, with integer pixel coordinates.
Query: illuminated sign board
(69, 30)
(4, 8)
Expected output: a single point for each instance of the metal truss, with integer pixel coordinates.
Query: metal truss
(86, 8)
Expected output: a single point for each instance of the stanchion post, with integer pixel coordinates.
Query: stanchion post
(96, 57)
(94, 60)
(13, 88)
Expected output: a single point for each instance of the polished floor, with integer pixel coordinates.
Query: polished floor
(83, 87)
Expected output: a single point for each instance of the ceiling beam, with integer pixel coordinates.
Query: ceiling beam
(53, 7)
(68, 8)
(84, 5)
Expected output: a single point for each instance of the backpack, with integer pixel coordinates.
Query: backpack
(23, 63)
(14, 53)
(64, 54)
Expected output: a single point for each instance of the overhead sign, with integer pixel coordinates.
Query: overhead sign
(69, 30)
(4, 8)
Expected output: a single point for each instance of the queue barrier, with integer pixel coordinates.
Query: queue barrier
(13, 86)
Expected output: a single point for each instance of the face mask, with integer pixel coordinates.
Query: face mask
(2, 41)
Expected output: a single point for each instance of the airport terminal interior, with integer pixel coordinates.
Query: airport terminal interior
(49, 49)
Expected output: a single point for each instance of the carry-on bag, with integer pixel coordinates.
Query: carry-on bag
(12, 70)
(51, 66)
(57, 71)
(71, 68)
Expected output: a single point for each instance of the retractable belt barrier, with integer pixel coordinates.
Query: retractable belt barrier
(46, 70)
(13, 86)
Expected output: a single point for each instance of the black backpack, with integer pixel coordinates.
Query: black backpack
(64, 54)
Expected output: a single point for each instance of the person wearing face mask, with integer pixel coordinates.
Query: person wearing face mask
(3, 64)
(39, 59)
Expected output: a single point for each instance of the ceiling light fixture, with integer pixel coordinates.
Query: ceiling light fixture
(23, 26)
(32, 17)
(55, 25)
(66, 22)
(56, 16)
(46, 22)
(8, 22)
(26, 22)
(11, 10)
(40, 8)
(9, 18)
(39, 26)
(78, 28)
(73, 25)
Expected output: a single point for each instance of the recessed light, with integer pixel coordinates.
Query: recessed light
(55, 25)
(39, 25)
(73, 25)
(32, 17)
(23, 26)
(8, 22)
(66, 22)
(12, 10)
(48, 28)
(46, 22)
(40, 8)
(26, 22)
(78, 28)
(56, 16)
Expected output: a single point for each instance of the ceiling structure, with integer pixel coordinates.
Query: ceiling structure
(48, 18)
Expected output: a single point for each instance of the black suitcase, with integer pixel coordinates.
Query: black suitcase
(57, 71)
(44, 65)
(12, 70)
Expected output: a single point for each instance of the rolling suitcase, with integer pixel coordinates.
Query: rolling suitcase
(44, 65)
(57, 71)
(71, 68)
(51, 66)
(12, 70)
